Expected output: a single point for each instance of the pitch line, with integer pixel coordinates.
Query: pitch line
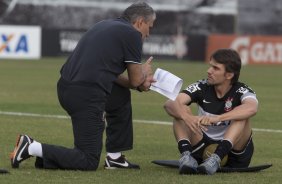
(34, 115)
(169, 123)
(136, 120)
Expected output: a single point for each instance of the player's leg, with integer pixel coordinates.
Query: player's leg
(182, 131)
(236, 136)
(186, 139)
(240, 134)
(119, 128)
(241, 154)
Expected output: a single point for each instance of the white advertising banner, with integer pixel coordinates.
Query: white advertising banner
(20, 42)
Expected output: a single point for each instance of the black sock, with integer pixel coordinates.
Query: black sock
(223, 148)
(184, 145)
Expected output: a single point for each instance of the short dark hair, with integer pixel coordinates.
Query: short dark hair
(230, 59)
(136, 10)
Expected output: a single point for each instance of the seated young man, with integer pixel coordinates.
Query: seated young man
(225, 108)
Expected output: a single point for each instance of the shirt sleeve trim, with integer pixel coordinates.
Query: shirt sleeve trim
(253, 97)
(133, 62)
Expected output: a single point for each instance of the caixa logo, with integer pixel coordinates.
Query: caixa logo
(21, 42)
(11, 43)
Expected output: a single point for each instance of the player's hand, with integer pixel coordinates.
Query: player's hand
(193, 122)
(209, 120)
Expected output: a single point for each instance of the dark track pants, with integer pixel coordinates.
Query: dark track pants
(119, 129)
(86, 106)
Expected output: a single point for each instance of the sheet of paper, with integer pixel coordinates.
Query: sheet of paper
(167, 84)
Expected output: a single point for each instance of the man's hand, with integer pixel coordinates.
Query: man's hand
(193, 122)
(209, 120)
(147, 69)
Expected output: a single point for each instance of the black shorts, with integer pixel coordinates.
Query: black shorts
(236, 159)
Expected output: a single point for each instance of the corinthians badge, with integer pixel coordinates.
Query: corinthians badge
(228, 104)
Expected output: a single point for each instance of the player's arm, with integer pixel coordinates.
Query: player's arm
(247, 109)
(178, 110)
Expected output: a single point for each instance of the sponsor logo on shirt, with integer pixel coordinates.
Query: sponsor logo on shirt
(193, 88)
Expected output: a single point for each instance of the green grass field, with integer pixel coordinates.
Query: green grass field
(30, 87)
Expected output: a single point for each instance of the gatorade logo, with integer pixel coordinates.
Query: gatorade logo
(258, 51)
(252, 49)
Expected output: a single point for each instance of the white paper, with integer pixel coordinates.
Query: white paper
(167, 83)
